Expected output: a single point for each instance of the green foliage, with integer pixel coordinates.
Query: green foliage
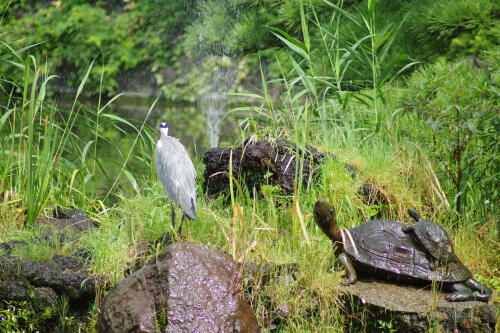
(49, 152)
(459, 104)
(65, 321)
(407, 137)
(432, 25)
(119, 37)
(386, 326)
(17, 317)
(445, 19)
(38, 250)
(149, 35)
(240, 27)
(71, 31)
(476, 41)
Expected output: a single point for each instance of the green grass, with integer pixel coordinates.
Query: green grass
(41, 250)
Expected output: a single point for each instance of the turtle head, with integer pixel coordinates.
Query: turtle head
(414, 214)
(433, 238)
(324, 215)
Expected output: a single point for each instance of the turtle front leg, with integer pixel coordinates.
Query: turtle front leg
(462, 293)
(349, 268)
(484, 293)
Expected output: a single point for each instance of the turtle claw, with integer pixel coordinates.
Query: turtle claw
(351, 280)
(461, 293)
(348, 280)
(471, 290)
(460, 296)
(483, 293)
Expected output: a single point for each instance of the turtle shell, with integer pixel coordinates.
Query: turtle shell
(435, 240)
(383, 248)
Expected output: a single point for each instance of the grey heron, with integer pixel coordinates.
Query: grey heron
(176, 171)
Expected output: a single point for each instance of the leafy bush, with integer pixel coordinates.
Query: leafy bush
(17, 317)
(432, 25)
(459, 104)
(445, 19)
(475, 42)
(153, 35)
(121, 37)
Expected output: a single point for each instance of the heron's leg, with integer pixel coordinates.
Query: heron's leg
(179, 231)
(172, 215)
(349, 268)
(184, 218)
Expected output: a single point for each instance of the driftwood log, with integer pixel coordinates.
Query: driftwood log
(260, 162)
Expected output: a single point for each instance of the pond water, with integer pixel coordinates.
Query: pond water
(187, 121)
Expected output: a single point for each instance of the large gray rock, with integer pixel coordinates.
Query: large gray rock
(65, 225)
(65, 275)
(189, 288)
(411, 309)
(41, 286)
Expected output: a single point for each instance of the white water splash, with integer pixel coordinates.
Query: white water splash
(221, 79)
(213, 103)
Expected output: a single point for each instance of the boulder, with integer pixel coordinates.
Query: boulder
(372, 195)
(65, 275)
(65, 225)
(43, 286)
(188, 288)
(410, 309)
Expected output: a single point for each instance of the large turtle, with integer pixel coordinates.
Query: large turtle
(391, 250)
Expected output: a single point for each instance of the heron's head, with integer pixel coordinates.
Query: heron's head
(163, 128)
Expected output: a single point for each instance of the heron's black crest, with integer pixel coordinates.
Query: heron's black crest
(163, 124)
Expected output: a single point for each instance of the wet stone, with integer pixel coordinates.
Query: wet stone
(189, 288)
(372, 195)
(63, 274)
(66, 225)
(43, 284)
(411, 309)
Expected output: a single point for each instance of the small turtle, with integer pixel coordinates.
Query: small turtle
(432, 237)
(394, 251)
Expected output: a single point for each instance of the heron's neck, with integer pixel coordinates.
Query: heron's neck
(164, 132)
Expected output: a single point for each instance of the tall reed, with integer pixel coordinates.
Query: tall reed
(46, 149)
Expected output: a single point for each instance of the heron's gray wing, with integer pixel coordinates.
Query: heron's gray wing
(176, 171)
